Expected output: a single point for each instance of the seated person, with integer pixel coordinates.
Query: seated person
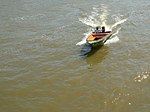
(103, 29)
(97, 30)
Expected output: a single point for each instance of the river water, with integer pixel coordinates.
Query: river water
(43, 67)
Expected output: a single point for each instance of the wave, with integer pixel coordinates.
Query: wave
(118, 23)
(84, 39)
(112, 40)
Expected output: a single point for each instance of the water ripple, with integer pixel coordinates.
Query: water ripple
(142, 76)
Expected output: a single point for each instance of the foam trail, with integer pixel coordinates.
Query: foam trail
(82, 42)
(84, 39)
(92, 19)
(118, 23)
(112, 40)
(103, 18)
(115, 33)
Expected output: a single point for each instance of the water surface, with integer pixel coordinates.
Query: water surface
(42, 69)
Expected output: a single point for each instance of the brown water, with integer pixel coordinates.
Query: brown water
(42, 69)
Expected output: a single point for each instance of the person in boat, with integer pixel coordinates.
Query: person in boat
(103, 29)
(97, 30)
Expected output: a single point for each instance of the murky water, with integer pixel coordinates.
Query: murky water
(43, 70)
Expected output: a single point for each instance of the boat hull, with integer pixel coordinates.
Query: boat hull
(98, 42)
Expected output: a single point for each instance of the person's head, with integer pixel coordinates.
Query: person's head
(97, 28)
(103, 27)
